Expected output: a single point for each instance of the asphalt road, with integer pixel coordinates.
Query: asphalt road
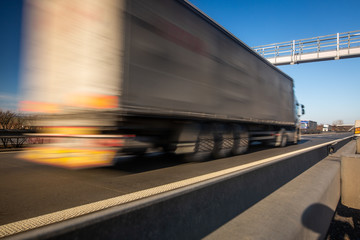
(30, 190)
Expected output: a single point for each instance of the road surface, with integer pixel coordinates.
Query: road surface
(30, 190)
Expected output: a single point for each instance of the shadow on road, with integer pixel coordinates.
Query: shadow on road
(149, 162)
(314, 218)
(345, 224)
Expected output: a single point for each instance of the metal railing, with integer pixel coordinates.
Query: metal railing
(333, 42)
(10, 139)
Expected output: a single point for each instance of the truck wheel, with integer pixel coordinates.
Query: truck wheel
(296, 138)
(204, 146)
(241, 140)
(280, 140)
(284, 140)
(295, 142)
(223, 141)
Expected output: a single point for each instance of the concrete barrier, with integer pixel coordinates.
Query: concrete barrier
(350, 180)
(198, 210)
(301, 209)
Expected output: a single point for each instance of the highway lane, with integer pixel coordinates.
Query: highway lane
(29, 190)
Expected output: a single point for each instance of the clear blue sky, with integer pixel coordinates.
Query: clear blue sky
(329, 90)
(10, 37)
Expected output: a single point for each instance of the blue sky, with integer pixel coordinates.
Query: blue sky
(329, 90)
(10, 27)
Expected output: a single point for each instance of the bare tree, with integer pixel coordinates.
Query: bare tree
(338, 122)
(10, 123)
(13, 121)
(6, 119)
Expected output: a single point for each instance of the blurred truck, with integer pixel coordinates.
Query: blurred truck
(326, 128)
(357, 128)
(308, 127)
(112, 78)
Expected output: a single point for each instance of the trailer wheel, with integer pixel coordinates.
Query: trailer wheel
(204, 146)
(241, 140)
(223, 140)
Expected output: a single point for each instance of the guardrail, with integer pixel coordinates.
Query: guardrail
(334, 42)
(10, 139)
(198, 210)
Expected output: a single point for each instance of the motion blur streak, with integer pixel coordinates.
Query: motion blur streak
(72, 59)
(157, 70)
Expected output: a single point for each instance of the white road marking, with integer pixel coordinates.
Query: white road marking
(43, 220)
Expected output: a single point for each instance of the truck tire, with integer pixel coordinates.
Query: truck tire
(241, 140)
(223, 140)
(295, 142)
(296, 138)
(204, 146)
(281, 139)
(284, 140)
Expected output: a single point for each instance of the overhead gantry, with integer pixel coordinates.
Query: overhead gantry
(329, 47)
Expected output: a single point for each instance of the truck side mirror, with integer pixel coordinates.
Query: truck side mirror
(302, 109)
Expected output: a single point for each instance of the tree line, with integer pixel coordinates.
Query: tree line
(14, 121)
(12, 126)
